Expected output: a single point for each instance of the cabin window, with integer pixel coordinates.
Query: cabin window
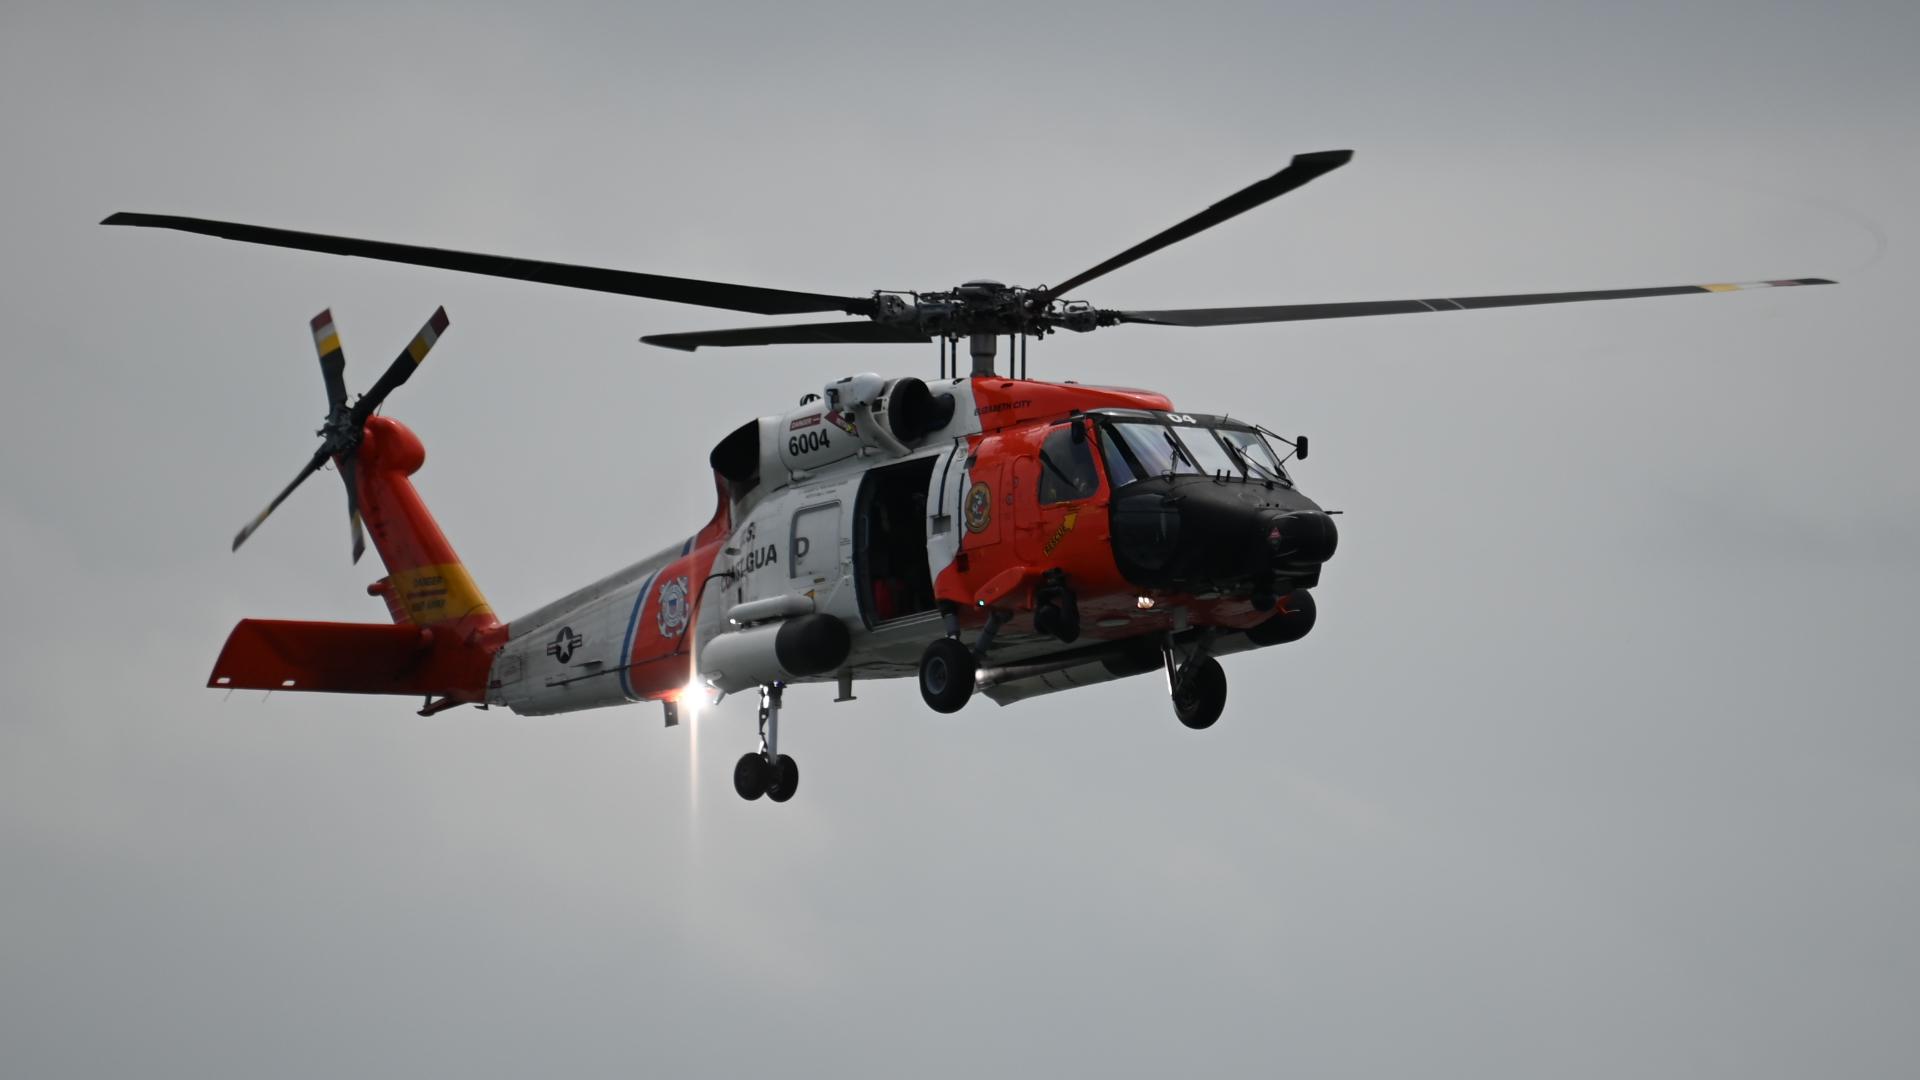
(1067, 472)
(814, 550)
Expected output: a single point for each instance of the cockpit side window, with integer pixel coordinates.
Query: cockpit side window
(1119, 469)
(1067, 472)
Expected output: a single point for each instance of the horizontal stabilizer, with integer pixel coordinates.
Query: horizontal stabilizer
(343, 658)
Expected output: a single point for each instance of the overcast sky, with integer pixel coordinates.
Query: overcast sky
(1601, 762)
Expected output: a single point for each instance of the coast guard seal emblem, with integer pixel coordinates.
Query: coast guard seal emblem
(979, 507)
(673, 607)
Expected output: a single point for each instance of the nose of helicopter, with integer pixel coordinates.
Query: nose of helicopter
(1192, 533)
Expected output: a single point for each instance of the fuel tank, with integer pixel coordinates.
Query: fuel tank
(781, 651)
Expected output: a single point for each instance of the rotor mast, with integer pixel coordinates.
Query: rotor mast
(982, 348)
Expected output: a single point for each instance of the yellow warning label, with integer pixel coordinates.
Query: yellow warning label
(437, 594)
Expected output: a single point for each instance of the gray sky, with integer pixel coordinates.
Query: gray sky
(1601, 762)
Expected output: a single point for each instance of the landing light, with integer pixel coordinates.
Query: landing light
(1144, 603)
(693, 700)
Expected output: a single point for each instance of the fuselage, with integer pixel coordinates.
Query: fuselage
(901, 511)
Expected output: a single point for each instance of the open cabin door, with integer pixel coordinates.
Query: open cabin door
(890, 542)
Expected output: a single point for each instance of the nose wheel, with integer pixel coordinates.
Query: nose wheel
(767, 771)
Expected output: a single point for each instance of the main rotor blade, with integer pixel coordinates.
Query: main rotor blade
(834, 333)
(1292, 312)
(1303, 168)
(313, 466)
(718, 294)
(333, 362)
(401, 369)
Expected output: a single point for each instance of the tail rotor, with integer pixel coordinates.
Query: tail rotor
(345, 425)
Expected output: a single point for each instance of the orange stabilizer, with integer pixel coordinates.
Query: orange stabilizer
(350, 658)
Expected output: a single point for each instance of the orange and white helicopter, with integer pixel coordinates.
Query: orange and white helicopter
(988, 533)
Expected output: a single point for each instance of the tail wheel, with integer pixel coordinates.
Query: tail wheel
(785, 779)
(946, 675)
(1200, 693)
(752, 773)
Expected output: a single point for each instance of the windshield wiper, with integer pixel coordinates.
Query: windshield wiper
(1179, 452)
(1241, 458)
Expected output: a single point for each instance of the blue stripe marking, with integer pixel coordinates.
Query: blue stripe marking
(686, 547)
(626, 647)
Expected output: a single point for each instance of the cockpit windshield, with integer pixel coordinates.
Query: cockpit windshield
(1253, 453)
(1136, 449)
(1154, 450)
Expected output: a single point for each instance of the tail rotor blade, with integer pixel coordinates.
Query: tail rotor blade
(401, 369)
(333, 362)
(350, 475)
(313, 466)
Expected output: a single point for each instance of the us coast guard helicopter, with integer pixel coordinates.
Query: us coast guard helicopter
(984, 532)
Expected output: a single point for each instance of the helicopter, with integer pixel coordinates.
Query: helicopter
(986, 533)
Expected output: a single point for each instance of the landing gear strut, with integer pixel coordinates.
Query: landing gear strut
(1198, 685)
(767, 771)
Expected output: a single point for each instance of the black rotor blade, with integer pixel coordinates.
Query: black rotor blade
(350, 474)
(680, 290)
(1303, 168)
(401, 369)
(834, 333)
(1293, 312)
(333, 362)
(312, 466)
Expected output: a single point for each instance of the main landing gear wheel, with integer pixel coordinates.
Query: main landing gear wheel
(1200, 692)
(946, 675)
(767, 771)
(751, 775)
(784, 779)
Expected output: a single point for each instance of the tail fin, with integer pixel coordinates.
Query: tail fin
(426, 583)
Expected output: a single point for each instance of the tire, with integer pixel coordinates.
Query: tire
(1202, 693)
(786, 779)
(750, 776)
(946, 675)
